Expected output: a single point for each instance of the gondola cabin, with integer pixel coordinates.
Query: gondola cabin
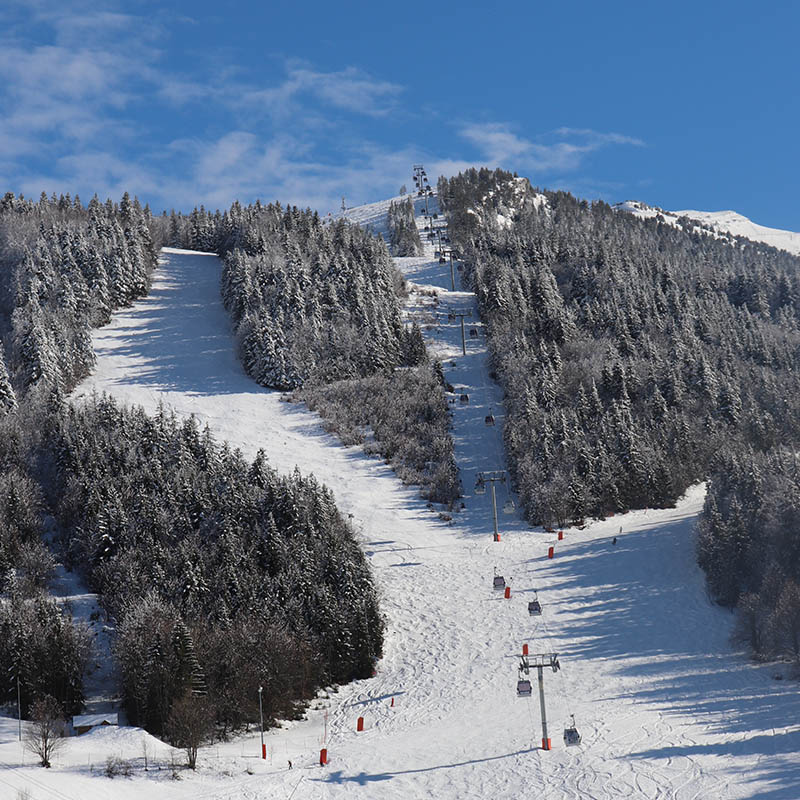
(489, 419)
(571, 734)
(499, 583)
(524, 688)
(442, 260)
(534, 608)
(509, 507)
(464, 399)
(473, 333)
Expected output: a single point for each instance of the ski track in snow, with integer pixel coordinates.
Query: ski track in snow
(665, 708)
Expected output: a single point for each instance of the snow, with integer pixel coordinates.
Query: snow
(725, 222)
(665, 707)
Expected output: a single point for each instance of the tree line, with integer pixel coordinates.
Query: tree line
(219, 575)
(637, 357)
(316, 309)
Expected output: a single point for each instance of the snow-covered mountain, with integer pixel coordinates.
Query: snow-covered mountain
(665, 707)
(722, 222)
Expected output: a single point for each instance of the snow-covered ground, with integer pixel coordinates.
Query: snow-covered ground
(666, 709)
(723, 222)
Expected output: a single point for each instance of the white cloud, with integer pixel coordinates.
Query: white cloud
(500, 146)
(74, 122)
(349, 89)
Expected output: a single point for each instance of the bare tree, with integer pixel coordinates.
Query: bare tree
(45, 735)
(190, 724)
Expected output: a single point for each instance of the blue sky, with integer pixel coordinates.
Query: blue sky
(681, 105)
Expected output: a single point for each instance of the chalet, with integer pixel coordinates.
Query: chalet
(82, 723)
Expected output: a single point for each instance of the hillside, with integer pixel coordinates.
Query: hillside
(721, 221)
(665, 707)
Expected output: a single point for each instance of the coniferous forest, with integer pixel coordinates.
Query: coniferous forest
(219, 575)
(638, 357)
(316, 308)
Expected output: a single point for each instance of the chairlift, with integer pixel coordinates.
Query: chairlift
(534, 608)
(499, 583)
(509, 507)
(489, 419)
(464, 399)
(442, 260)
(524, 688)
(480, 486)
(571, 734)
(473, 332)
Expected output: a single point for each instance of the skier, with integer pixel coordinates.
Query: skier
(290, 764)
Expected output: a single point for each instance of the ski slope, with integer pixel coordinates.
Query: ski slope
(722, 222)
(665, 708)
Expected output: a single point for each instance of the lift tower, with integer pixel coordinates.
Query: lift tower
(541, 661)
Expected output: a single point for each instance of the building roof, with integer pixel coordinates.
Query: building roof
(89, 720)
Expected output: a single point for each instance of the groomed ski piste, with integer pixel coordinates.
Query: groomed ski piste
(665, 707)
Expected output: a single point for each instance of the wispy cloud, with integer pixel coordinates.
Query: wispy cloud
(349, 89)
(89, 106)
(561, 151)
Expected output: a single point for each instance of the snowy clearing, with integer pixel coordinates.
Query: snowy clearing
(665, 708)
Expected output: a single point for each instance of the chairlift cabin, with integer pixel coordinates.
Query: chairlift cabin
(534, 608)
(464, 399)
(499, 583)
(489, 419)
(571, 734)
(524, 688)
(509, 507)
